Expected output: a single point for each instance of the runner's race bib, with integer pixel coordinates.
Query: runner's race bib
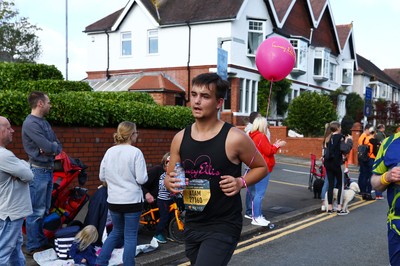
(197, 194)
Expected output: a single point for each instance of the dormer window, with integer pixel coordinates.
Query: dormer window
(255, 36)
(300, 48)
(321, 64)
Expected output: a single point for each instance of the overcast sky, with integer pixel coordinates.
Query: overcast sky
(376, 28)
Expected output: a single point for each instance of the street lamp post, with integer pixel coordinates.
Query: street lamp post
(66, 40)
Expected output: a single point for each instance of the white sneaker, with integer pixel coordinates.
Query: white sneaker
(260, 221)
(323, 208)
(248, 217)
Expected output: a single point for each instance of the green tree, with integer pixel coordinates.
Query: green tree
(346, 124)
(280, 90)
(308, 113)
(18, 40)
(394, 114)
(382, 108)
(334, 95)
(354, 106)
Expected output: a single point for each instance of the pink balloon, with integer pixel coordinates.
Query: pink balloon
(275, 58)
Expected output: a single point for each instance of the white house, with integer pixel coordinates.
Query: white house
(149, 41)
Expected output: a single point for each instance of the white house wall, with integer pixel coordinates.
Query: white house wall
(253, 9)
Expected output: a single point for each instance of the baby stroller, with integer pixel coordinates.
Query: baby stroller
(317, 171)
(66, 200)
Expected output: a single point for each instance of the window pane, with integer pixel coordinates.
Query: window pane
(254, 41)
(255, 36)
(153, 41)
(253, 96)
(126, 48)
(296, 50)
(332, 72)
(241, 105)
(126, 43)
(227, 102)
(153, 46)
(347, 76)
(318, 66)
(246, 99)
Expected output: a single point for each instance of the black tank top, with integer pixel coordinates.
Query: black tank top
(208, 160)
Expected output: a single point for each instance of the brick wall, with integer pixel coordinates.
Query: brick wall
(90, 144)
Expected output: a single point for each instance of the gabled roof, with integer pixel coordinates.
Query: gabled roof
(344, 32)
(104, 24)
(179, 11)
(317, 8)
(174, 12)
(394, 73)
(345, 35)
(310, 19)
(369, 68)
(281, 9)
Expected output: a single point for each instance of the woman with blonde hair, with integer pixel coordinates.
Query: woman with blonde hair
(124, 169)
(82, 250)
(258, 134)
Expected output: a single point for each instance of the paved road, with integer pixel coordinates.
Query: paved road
(287, 199)
(356, 239)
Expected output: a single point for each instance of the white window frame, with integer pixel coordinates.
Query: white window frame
(248, 95)
(152, 39)
(126, 40)
(383, 93)
(301, 49)
(321, 67)
(255, 27)
(333, 71)
(347, 72)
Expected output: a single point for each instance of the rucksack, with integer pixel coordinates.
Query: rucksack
(362, 152)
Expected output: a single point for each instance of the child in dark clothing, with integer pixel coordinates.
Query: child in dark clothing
(82, 250)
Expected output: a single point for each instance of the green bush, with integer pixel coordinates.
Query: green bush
(98, 109)
(75, 104)
(355, 106)
(125, 96)
(308, 113)
(12, 72)
(346, 124)
(50, 86)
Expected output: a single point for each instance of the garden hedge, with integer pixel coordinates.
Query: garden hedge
(75, 104)
(97, 109)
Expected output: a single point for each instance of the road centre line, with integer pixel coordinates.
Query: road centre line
(299, 226)
(289, 184)
(296, 172)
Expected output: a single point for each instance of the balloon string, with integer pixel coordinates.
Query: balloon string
(269, 97)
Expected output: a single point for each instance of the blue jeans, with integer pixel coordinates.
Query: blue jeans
(40, 188)
(125, 229)
(10, 242)
(324, 187)
(250, 192)
(261, 187)
(364, 179)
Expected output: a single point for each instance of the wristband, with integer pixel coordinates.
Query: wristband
(243, 182)
(383, 179)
